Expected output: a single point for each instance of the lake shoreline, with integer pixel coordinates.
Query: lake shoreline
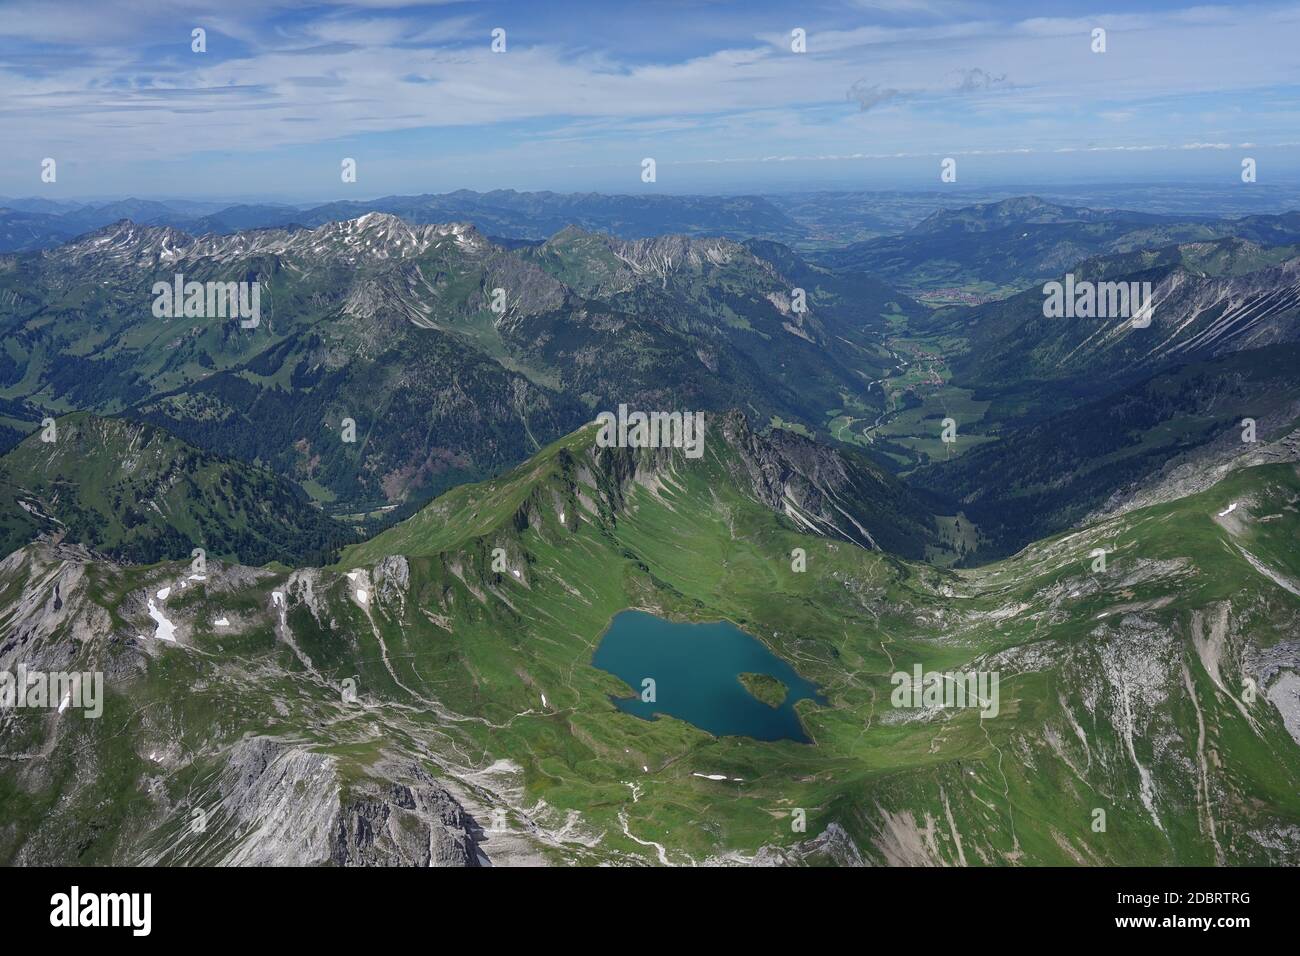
(691, 670)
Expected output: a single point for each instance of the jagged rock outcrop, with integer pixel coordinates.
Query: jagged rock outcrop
(832, 847)
(416, 824)
(828, 491)
(283, 804)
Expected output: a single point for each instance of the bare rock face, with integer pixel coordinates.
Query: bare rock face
(662, 256)
(1191, 473)
(782, 465)
(419, 824)
(48, 621)
(393, 573)
(283, 804)
(808, 482)
(278, 804)
(832, 847)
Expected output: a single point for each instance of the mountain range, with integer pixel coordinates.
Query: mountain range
(394, 327)
(413, 537)
(30, 224)
(995, 248)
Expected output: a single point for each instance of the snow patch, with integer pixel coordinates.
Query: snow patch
(166, 629)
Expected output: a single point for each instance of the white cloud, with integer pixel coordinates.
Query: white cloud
(978, 84)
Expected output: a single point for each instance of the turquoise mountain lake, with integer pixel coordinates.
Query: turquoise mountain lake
(696, 669)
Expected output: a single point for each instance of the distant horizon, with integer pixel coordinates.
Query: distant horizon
(274, 99)
(1012, 188)
(783, 186)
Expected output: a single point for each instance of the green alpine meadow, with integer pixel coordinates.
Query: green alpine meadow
(434, 688)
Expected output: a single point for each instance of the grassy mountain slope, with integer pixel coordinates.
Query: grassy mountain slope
(1041, 478)
(132, 492)
(1122, 690)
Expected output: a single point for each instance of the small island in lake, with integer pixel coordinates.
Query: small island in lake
(765, 688)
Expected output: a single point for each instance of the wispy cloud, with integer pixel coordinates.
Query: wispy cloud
(114, 85)
(869, 96)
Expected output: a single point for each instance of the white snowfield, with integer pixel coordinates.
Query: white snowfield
(166, 630)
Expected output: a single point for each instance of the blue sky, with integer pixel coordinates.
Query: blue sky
(711, 90)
